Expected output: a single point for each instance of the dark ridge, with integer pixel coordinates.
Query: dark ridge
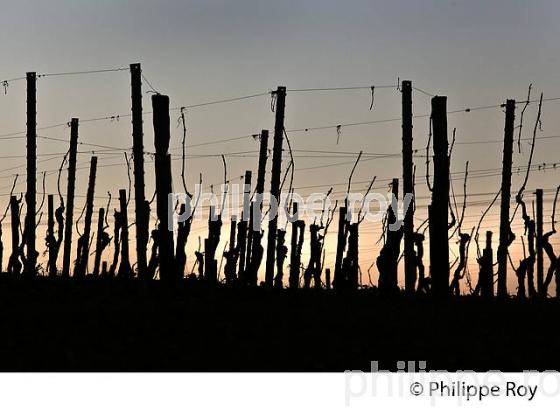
(121, 325)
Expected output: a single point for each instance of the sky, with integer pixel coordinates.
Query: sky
(478, 53)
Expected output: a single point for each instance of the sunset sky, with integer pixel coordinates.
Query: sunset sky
(478, 53)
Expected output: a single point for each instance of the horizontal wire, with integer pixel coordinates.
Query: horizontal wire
(22, 133)
(226, 100)
(351, 153)
(481, 173)
(423, 92)
(70, 73)
(51, 154)
(295, 130)
(500, 141)
(369, 87)
(217, 141)
(83, 143)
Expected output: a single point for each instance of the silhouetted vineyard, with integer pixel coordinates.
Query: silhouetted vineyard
(142, 309)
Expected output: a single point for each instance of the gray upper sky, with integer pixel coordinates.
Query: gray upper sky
(476, 52)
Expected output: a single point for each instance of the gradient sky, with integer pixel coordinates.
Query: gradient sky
(477, 53)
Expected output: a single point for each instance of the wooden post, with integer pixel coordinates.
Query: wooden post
(82, 260)
(263, 157)
(30, 196)
(183, 231)
(313, 269)
(209, 262)
(55, 242)
(408, 188)
(51, 240)
(298, 232)
(540, 262)
(247, 226)
(232, 232)
(211, 245)
(275, 184)
(281, 253)
(339, 280)
(243, 245)
(439, 243)
(352, 256)
(328, 278)
(162, 135)
(394, 241)
(505, 229)
(117, 228)
(70, 197)
(125, 271)
(232, 256)
(253, 240)
(141, 212)
(487, 281)
(14, 265)
(99, 245)
(293, 279)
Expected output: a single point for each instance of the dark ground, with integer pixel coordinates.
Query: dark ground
(127, 326)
